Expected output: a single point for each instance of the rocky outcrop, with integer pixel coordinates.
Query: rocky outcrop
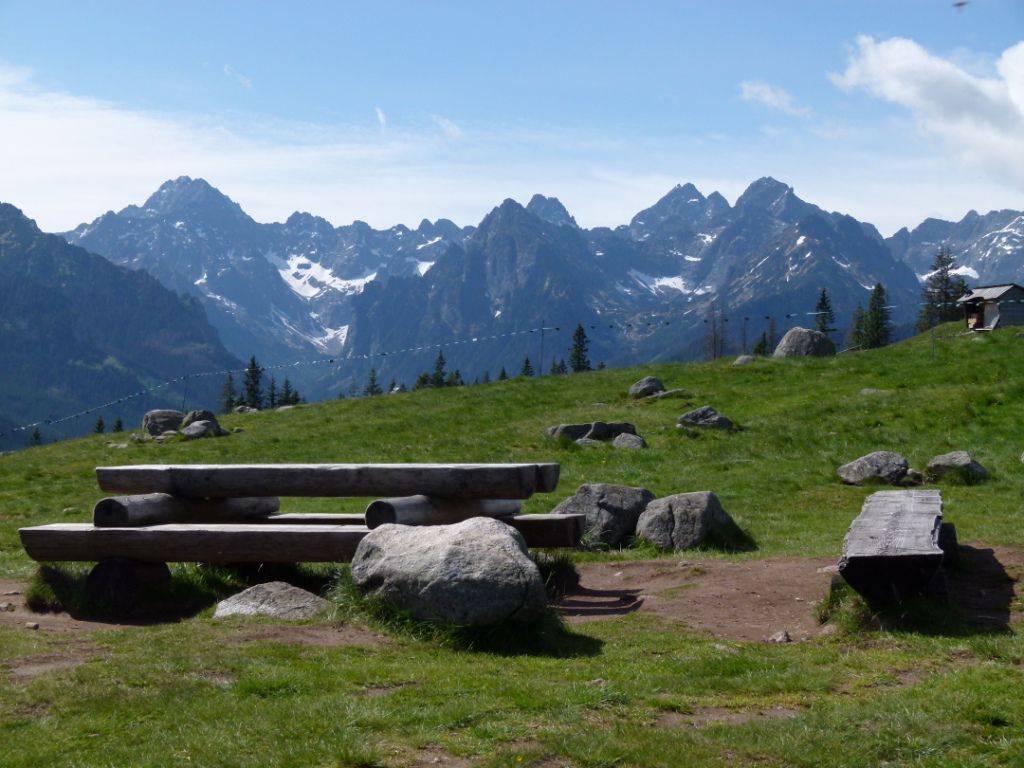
(878, 467)
(804, 342)
(647, 386)
(956, 465)
(705, 416)
(276, 599)
(611, 510)
(685, 520)
(162, 420)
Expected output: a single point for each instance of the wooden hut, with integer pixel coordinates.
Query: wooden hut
(990, 306)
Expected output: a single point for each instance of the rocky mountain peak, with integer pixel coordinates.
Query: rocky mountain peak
(185, 196)
(550, 209)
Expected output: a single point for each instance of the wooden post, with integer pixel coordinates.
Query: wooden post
(427, 510)
(160, 508)
(464, 481)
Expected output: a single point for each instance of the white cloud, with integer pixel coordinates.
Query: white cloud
(979, 120)
(237, 76)
(771, 96)
(382, 119)
(450, 129)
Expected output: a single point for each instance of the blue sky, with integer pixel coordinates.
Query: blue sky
(394, 111)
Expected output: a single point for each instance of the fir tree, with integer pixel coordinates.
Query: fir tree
(437, 378)
(422, 381)
(272, 399)
(527, 369)
(228, 395)
(824, 317)
(941, 290)
(578, 360)
(118, 425)
(855, 338)
(100, 426)
(502, 376)
(600, 365)
(372, 388)
(252, 386)
(761, 348)
(392, 387)
(877, 323)
(454, 379)
(288, 396)
(36, 438)
(559, 368)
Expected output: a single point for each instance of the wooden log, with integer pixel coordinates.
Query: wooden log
(197, 543)
(314, 518)
(160, 508)
(549, 530)
(464, 481)
(428, 510)
(891, 551)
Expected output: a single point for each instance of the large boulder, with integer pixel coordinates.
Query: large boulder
(595, 430)
(276, 599)
(647, 386)
(198, 429)
(569, 431)
(685, 520)
(878, 467)
(705, 416)
(957, 465)
(474, 573)
(611, 510)
(804, 342)
(162, 420)
(631, 442)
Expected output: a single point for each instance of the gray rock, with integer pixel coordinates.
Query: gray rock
(781, 636)
(601, 430)
(160, 421)
(647, 386)
(283, 408)
(276, 599)
(117, 445)
(670, 393)
(587, 442)
(877, 467)
(744, 360)
(245, 409)
(705, 416)
(611, 510)
(569, 431)
(473, 573)
(683, 521)
(137, 438)
(804, 342)
(869, 391)
(203, 415)
(629, 441)
(199, 429)
(958, 464)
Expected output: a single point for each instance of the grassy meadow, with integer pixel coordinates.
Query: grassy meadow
(630, 691)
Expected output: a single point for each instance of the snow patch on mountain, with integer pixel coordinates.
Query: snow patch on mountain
(308, 278)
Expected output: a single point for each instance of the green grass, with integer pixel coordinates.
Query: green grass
(916, 690)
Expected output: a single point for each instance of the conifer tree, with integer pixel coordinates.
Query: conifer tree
(372, 388)
(454, 379)
(100, 426)
(393, 386)
(36, 438)
(877, 323)
(288, 396)
(272, 399)
(941, 290)
(228, 395)
(761, 348)
(855, 338)
(118, 425)
(824, 317)
(527, 369)
(502, 376)
(578, 359)
(438, 377)
(487, 378)
(559, 367)
(422, 381)
(252, 386)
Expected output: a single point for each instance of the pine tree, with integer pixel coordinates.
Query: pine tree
(118, 425)
(761, 348)
(527, 369)
(272, 399)
(559, 368)
(228, 395)
(393, 386)
(454, 379)
(855, 338)
(502, 376)
(372, 388)
(877, 323)
(288, 396)
(438, 377)
(824, 317)
(487, 377)
(36, 438)
(422, 381)
(578, 360)
(100, 426)
(941, 290)
(252, 386)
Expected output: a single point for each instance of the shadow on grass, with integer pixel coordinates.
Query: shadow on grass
(976, 600)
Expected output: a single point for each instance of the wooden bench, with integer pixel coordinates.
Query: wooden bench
(230, 513)
(892, 550)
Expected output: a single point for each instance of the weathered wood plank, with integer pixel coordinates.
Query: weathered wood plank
(315, 518)
(466, 481)
(892, 548)
(428, 510)
(161, 508)
(198, 543)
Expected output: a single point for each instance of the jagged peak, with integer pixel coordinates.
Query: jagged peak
(550, 209)
(764, 192)
(185, 194)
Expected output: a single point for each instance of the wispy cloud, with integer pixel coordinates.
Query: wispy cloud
(979, 120)
(382, 119)
(771, 96)
(238, 77)
(450, 129)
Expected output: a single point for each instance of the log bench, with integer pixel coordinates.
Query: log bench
(230, 513)
(893, 547)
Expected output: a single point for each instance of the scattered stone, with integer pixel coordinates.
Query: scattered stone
(629, 441)
(198, 429)
(276, 599)
(647, 386)
(69, 511)
(283, 408)
(957, 465)
(236, 430)
(685, 520)
(804, 342)
(595, 430)
(117, 445)
(31, 625)
(669, 393)
(569, 431)
(170, 433)
(744, 360)
(586, 442)
(705, 416)
(596, 681)
(880, 466)
(11, 592)
(203, 415)
(474, 573)
(159, 422)
(869, 391)
(6, 607)
(137, 438)
(612, 510)
(780, 637)
(245, 409)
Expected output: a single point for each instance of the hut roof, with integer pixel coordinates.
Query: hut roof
(989, 292)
